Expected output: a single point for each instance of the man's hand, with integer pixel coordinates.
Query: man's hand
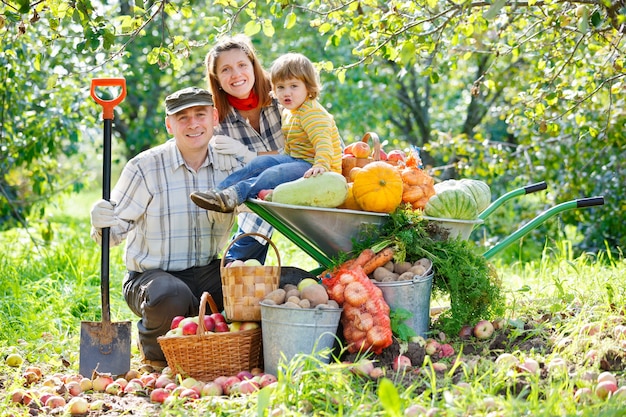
(102, 214)
(225, 145)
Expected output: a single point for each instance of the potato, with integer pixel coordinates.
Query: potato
(418, 270)
(289, 287)
(304, 303)
(389, 265)
(315, 293)
(425, 262)
(293, 299)
(291, 305)
(292, 293)
(407, 276)
(381, 274)
(402, 267)
(277, 296)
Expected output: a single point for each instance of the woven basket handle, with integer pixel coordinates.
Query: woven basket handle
(252, 234)
(375, 141)
(204, 300)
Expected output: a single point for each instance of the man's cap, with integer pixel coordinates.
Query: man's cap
(187, 97)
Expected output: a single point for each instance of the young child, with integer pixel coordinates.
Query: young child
(312, 141)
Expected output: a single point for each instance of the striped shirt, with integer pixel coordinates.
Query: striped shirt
(163, 228)
(270, 138)
(312, 135)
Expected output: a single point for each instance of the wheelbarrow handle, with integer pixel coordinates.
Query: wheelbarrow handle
(108, 105)
(528, 189)
(534, 223)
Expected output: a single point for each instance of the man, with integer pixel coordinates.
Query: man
(172, 245)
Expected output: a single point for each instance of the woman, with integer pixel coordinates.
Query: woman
(249, 125)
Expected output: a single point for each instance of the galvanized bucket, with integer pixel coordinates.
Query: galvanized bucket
(412, 295)
(290, 331)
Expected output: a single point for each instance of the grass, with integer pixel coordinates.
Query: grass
(47, 289)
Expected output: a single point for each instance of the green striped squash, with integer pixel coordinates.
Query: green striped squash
(452, 203)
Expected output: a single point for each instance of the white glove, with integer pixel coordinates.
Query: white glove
(225, 145)
(102, 214)
(225, 162)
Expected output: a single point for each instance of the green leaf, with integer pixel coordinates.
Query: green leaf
(252, 28)
(389, 397)
(268, 28)
(290, 20)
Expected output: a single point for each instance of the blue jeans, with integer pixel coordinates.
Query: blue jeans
(264, 172)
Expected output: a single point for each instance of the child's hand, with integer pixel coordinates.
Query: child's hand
(313, 171)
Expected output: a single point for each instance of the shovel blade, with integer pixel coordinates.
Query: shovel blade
(104, 347)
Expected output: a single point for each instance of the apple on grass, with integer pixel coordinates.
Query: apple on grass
(483, 329)
(267, 379)
(211, 389)
(401, 362)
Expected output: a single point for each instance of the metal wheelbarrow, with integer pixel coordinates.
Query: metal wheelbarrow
(325, 232)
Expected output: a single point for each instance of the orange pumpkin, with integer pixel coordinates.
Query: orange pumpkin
(350, 203)
(378, 187)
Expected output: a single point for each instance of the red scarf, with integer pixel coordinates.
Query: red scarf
(244, 103)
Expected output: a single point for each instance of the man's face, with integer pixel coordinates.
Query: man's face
(192, 127)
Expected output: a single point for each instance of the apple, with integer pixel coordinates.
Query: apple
(77, 406)
(401, 362)
(244, 375)
(252, 262)
(466, 332)
(17, 396)
(236, 262)
(14, 360)
(362, 367)
(162, 381)
(174, 332)
(248, 386)
(114, 388)
(190, 328)
(123, 381)
(218, 318)
(377, 372)
(158, 395)
(360, 149)
(396, 156)
(55, 401)
(249, 325)
(134, 386)
(86, 384)
(619, 331)
(446, 350)
(506, 360)
(189, 393)
(267, 379)
(431, 347)
(440, 367)
(529, 365)
(605, 389)
(211, 389)
(414, 410)
(209, 323)
(305, 283)
(557, 365)
(262, 195)
(483, 329)
(607, 376)
(221, 380)
(176, 321)
(229, 385)
(234, 326)
(381, 153)
(583, 395)
(30, 378)
(101, 381)
(73, 388)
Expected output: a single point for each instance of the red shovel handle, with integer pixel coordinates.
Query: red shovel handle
(108, 105)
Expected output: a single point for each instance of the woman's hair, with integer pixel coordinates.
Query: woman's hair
(262, 86)
(296, 66)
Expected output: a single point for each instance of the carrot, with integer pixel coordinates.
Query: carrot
(364, 257)
(380, 259)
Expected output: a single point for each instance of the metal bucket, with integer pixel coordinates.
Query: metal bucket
(290, 331)
(413, 296)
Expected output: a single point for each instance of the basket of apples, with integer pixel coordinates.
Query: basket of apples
(206, 346)
(246, 283)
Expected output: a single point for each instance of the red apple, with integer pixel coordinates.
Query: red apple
(221, 380)
(77, 406)
(171, 386)
(55, 401)
(101, 381)
(347, 156)
(396, 156)
(221, 327)
(218, 317)
(189, 393)
(248, 386)
(466, 332)
(360, 149)
(605, 389)
(158, 395)
(73, 388)
(431, 347)
(262, 195)
(583, 395)
(176, 321)
(415, 410)
(209, 323)
(244, 375)
(381, 153)
(162, 381)
(607, 376)
(529, 365)
(446, 350)
(362, 367)
(267, 379)
(377, 372)
(229, 384)
(440, 367)
(401, 362)
(190, 328)
(483, 329)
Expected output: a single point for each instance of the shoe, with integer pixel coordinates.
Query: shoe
(153, 366)
(223, 201)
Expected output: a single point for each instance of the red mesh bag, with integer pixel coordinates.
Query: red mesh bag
(365, 316)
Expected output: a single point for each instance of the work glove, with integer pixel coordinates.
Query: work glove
(102, 214)
(225, 145)
(225, 162)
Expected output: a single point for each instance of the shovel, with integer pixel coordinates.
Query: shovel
(105, 346)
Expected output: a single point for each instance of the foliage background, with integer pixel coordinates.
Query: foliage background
(509, 92)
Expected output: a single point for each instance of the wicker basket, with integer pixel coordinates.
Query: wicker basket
(348, 163)
(245, 286)
(205, 356)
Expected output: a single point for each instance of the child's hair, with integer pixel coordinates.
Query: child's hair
(298, 66)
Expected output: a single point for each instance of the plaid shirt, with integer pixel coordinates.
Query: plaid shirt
(270, 138)
(163, 228)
